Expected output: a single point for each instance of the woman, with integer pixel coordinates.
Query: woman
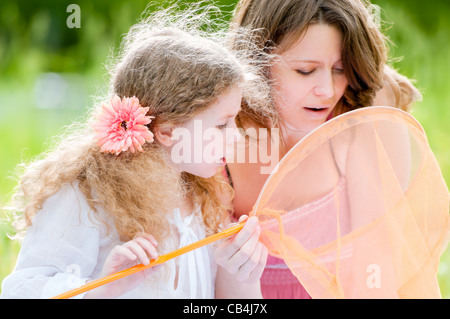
(329, 58)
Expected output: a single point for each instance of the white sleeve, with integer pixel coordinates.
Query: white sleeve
(59, 251)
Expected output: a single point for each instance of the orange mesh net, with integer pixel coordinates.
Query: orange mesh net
(359, 208)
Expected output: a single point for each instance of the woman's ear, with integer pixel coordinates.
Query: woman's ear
(163, 134)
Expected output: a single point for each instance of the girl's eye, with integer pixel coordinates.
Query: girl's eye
(228, 123)
(304, 72)
(338, 70)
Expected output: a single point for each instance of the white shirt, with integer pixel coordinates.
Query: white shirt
(67, 245)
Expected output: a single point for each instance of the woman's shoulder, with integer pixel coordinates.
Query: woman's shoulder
(398, 91)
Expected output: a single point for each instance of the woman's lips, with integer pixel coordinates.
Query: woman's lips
(316, 108)
(317, 111)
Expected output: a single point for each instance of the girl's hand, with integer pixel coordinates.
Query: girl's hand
(139, 250)
(242, 255)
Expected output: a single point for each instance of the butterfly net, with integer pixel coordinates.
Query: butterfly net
(359, 208)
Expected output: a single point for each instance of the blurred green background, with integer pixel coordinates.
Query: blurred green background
(49, 74)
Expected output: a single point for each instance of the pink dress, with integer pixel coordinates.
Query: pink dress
(277, 281)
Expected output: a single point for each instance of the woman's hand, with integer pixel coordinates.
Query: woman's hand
(243, 256)
(140, 250)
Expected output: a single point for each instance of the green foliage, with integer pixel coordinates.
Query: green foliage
(49, 74)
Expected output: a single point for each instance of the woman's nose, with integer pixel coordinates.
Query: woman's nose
(325, 86)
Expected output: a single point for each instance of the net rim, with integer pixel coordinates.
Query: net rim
(365, 111)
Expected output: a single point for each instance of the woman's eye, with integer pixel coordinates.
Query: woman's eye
(304, 72)
(338, 70)
(221, 127)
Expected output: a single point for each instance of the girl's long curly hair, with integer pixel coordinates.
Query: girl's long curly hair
(177, 67)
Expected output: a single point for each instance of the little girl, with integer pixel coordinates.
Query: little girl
(123, 188)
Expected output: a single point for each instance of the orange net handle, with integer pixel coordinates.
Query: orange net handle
(160, 260)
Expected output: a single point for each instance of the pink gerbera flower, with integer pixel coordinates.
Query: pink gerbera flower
(121, 125)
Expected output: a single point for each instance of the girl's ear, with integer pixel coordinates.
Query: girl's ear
(163, 134)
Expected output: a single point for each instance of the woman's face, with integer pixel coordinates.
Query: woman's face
(309, 79)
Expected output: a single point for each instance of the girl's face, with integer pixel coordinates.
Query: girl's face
(200, 145)
(309, 79)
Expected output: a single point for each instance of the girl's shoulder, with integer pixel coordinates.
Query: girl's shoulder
(68, 198)
(69, 208)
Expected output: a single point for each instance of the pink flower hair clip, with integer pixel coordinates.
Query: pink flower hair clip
(121, 125)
